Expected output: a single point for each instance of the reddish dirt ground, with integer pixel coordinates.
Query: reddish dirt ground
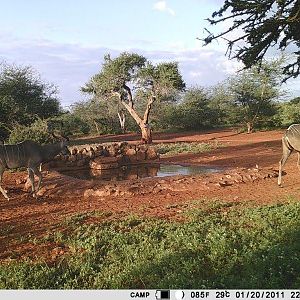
(23, 215)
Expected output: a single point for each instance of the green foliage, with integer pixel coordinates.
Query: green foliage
(289, 112)
(221, 101)
(220, 245)
(260, 25)
(37, 131)
(131, 79)
(192, 113)
(24, 97)
(176, 148)
(115, 73)
(70, 124)
(163, 80)
(254, 92)
(100, 115)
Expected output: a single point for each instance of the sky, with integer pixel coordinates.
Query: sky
(65, 41)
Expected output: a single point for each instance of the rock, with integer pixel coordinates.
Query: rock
(92, 153)
(74, 151)
(130, 152)
(27, 185)
(72, 158)
(88, 193)
(81, 163)
(105, 152)
(112, 150)
(140, 155)
(101, 193)
(83, 151)
(104, 163)
(96, 193)
(78, 156)
(42, 191)
(21, 180)
(224, 183)
(151, 154)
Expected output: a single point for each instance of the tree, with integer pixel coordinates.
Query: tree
(289, 112)
(253, 93)
(263, 23)
(95, 114)
(24, 97)
(220, 101)
(131, 78)
(195, 111)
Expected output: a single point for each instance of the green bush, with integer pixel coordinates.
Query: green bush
(289, 113)
(219, 245)
(70, 124)
(181, 147)
(37, 132)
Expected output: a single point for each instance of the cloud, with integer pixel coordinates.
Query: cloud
(70, 66)
(163, 7)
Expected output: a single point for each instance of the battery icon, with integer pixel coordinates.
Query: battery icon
(162, 295)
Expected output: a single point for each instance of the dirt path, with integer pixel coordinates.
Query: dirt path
(164, 198)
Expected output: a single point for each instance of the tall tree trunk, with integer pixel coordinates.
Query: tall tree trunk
(146, 134)
(249, 127)
(143, 123)
(97, 127)
(122, 119)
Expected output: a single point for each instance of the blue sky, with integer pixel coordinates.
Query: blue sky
(65, 40)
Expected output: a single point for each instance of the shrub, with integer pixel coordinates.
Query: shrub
(176, 148)
(70, 124)
(37, 132)
(218, 246)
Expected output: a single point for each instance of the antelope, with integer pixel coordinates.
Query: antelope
(31, 155)
(290, 143)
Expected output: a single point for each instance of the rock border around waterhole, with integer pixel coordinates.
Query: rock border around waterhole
(104, 156)
(58, 185)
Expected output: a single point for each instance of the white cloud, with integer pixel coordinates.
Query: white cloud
(70, 66)
(163, 7)
(196, 74)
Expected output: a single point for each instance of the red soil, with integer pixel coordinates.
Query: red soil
(24, 215)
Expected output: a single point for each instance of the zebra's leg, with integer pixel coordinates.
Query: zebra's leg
(1, 189)
(286, 152)
(31, 177)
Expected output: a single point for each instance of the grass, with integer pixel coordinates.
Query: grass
(220, 245)
(183, 147)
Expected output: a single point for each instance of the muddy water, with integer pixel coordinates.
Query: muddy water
(140, 171)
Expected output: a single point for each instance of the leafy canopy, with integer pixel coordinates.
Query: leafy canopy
(254, 91)
(24, 98)
(133, 71)
(258, 25)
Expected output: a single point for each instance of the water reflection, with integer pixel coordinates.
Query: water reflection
(139, 171)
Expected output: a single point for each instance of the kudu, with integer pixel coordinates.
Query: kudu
(31, 155)
(290, 143)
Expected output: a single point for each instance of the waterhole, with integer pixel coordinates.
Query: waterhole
(139, 171)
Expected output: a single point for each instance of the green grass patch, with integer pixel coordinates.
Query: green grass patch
(183, 147)
(220, 245)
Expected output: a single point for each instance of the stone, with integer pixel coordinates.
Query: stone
(140, 155)
(21, 180)
(72, 158)
(224, 183)
(81, 163)
(105, 152)
(151, 154)
(74, 151)
(88, 193)
(130, 152)
(103, 163)
(78, 156)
